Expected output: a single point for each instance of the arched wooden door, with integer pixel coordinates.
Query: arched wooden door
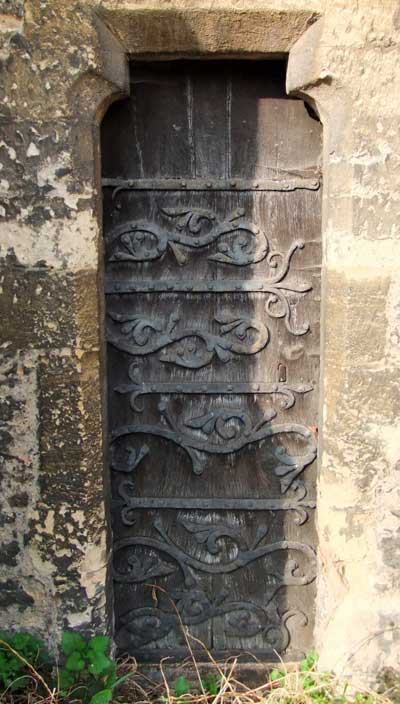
(212, 251)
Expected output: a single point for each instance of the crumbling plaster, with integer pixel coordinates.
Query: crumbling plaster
(62, 64)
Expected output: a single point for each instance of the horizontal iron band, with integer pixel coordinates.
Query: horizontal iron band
(214, 387)
(240, 184)
(188, 286)
(215, 504)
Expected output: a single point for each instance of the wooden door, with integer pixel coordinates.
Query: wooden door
(212, 249)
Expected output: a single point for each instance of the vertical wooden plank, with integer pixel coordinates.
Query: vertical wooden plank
(255, 92)
(209, 121)
(160, 97)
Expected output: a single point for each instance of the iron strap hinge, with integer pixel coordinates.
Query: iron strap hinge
(291, 183)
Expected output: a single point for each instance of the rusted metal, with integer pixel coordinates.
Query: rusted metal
(290, 183)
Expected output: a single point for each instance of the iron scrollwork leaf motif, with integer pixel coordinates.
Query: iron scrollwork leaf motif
(213, 537)
(226, 431)
(147, 624)
(238, 243)
(191, 348)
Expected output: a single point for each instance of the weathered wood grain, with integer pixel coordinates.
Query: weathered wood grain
(242, 579)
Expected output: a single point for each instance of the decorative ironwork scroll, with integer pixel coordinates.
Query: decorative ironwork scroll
(226, 431)
(142, 336)
(239, 243)
(194, 606)
(149, 624)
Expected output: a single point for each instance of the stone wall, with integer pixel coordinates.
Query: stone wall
(62, 63)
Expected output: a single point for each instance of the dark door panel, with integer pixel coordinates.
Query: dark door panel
(212, 250)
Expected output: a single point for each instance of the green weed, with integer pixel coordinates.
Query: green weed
(20, 655)
(88, 673)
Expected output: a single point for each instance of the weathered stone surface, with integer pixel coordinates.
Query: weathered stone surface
(61, 65)
(346, 64)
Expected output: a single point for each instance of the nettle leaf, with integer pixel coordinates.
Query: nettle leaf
(71, 642)
(13, 670)
(67, 679)
(24, 642)
(9, 663)
(99, 643)
(30, 647)
(75, 662)
(102, 697)
(100, 664)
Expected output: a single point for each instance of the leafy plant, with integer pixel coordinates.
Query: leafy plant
(88, 673)
(211, 683)
(276, 675)
(181, 686)
(20, 655)
(314, 685)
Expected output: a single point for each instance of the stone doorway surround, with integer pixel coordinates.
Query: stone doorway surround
(63, 64)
